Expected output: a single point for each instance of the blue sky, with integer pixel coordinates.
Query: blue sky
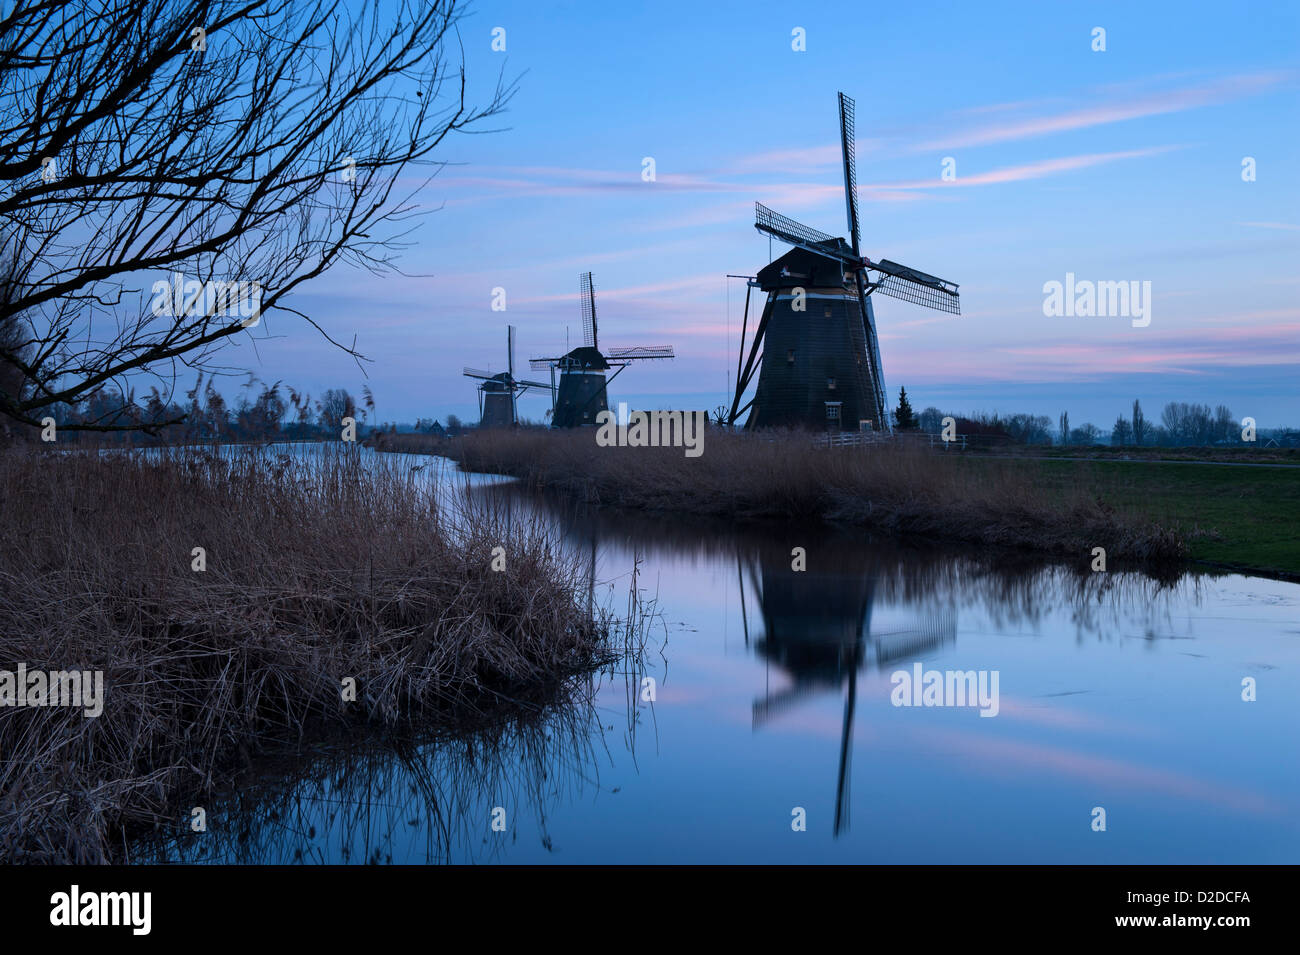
(1123, 165)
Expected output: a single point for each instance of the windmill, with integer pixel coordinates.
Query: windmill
(497, 393)
(581, 395)
(820, 358)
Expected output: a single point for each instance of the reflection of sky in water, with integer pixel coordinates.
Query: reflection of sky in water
(1115, 692)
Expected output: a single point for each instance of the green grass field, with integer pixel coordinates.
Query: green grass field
(1246, 517)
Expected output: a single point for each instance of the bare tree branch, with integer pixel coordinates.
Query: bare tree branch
(172, 171)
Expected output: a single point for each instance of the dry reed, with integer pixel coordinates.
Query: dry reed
(900, 489)
(314, 574)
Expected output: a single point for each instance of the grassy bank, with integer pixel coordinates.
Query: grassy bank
(1239, 517)
(902, 490)
(313, 576)
(1244, 454)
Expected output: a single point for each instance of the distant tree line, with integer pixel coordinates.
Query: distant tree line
(1181, 424)
(264, 412)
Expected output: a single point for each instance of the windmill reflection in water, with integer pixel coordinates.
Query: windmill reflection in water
(817, 626)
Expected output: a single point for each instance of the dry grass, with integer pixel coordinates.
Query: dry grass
(408, 442)
(314, 574)
(900, 489)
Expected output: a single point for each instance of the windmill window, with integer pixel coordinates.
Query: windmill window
(830, 384)
(833, 410)
(789, 357)
(828, 311)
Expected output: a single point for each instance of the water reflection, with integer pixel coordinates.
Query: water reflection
(1118, 689)
(817, 626)
(406, 799)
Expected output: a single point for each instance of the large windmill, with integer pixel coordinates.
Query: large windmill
(581, 393)
(497, 393)
(820, 359)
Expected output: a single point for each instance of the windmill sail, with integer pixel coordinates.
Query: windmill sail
(640, 351)
(587, 293)
(798, 234)
(849, 150)
(919, 288)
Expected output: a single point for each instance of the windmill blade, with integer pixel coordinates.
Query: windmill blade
(587, 294)
(476, 373)
(525, 385)
(541, 364)
(510, 348)
(919, 288)
(849, 151)
(798, 234)
(641, 351)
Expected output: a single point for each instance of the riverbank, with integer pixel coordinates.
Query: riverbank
(905, 490)
(238, 603)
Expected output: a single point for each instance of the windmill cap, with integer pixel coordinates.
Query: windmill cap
(586, 357)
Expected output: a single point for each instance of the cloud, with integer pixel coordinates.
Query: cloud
(806, 159)
(546, 181)
(1038, 169)
(1152, 104)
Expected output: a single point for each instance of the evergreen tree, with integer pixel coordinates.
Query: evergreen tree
(904, 417)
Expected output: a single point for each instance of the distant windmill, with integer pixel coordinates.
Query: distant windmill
(581, 393)
(820, 363)
(497, 393)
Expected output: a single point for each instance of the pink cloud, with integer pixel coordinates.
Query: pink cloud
(1155, 104)
(1035, 170)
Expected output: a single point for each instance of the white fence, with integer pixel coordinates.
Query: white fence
(855, 439)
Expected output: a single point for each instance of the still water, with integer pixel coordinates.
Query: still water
(772, 694)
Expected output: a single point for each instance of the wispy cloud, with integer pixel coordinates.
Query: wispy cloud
(1034, 170)
(1152, 104)
(780, 195)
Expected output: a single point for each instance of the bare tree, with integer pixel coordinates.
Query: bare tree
(218, 153)
(1122, 433)
(333, 407)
